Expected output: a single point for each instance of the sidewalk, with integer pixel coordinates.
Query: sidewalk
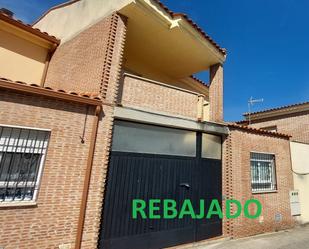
(297, 238)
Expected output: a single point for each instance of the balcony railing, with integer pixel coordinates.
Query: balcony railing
(141, 93)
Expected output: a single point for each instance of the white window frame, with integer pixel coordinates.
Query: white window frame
(34, 150)
(273, 179)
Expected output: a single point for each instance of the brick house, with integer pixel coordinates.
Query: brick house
(128, 121)
(294, 120)
(290, 119)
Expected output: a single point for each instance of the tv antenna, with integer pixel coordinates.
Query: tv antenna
(251, 102)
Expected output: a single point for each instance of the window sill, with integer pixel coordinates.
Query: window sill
(264, 192)
(18, 204)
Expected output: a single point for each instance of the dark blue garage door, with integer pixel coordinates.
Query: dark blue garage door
(151, 162)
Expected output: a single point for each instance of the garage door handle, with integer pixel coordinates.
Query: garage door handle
(186, 185)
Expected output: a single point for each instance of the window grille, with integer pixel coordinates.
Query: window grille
(22, 153)
(263, 175)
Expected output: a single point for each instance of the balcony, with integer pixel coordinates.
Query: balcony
(148, 95)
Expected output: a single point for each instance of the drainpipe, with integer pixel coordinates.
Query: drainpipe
(83, 205)
(47, 61)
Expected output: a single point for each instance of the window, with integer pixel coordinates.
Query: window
(22, 153)
(142, 138)
(263, 177)
(211, 146)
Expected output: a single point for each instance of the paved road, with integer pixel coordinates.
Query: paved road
(297, 238)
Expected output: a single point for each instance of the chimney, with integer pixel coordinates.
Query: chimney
(6, 12)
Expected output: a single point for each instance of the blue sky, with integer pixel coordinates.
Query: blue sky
(267, 44)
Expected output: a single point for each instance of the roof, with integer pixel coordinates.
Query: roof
(242, 122)
(193, 24)
(29, 28)
(200, 81)
(259, 131)
(278, 108)
(167, 10)
(84, 98)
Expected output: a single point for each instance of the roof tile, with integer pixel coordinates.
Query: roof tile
(256, 130)
(168, 11)
(278, 108)
(90, 95)
(199, 81)
(193, 24)
(29, 28)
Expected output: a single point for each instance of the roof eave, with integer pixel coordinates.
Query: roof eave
(258, 131)
(47, 92)
(185, 17)
(275, 112)
(28, 28)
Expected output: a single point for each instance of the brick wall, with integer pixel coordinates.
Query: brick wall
(98, 179)
(92, 62)
(237, 180)
(54, 220)
(109, 90)
(216, 92)
(227, 176)
(141, 93)
(84, 63)
(296, 125)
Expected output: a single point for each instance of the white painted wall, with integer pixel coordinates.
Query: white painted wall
(66, 22)
(300, 164)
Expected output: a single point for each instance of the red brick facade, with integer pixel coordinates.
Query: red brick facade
(216, 93)
(237, 181)
(297, 125)
(53, 221)
(92, 62)
(143, 94)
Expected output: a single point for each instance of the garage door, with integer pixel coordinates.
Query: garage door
(152, 162)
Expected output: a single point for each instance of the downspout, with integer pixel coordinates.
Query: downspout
(83, 205)
(47, 61)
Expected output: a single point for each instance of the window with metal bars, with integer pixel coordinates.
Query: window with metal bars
(22, 154)
(263, 174)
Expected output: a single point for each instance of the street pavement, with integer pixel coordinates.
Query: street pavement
(297, 238)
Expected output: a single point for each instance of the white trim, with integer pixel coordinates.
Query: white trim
(261, 160)
(259, 152)
(25, 127)
(39, 176)
(155, 118)
(6, 204)
(33, 150)
(273, 178)
(264, 191)
(21, 184)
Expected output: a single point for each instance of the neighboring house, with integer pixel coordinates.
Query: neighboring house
(26, 49)
(293, 120)
(129, 121)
